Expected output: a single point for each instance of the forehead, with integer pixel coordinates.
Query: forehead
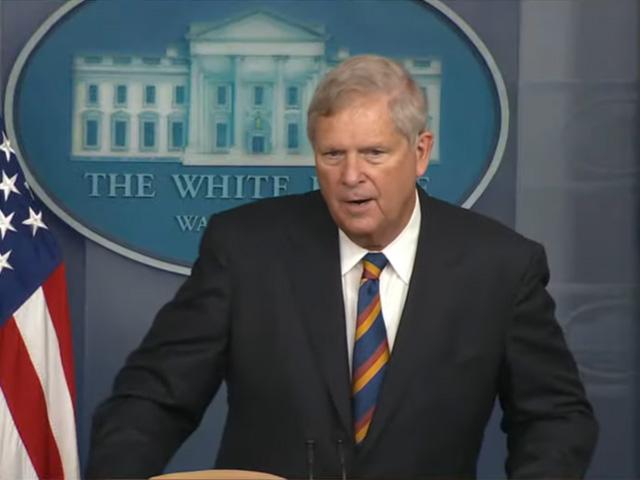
(365, 118)
(359, 101)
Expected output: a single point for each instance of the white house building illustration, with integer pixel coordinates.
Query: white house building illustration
(233, 92)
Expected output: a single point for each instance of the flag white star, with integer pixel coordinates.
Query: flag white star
(6, 147)
(4, 261)
(34, 221)
(8, 185)
(5, 224)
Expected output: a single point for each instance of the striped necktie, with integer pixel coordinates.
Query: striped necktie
(370, 349)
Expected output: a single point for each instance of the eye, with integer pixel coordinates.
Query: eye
(374, 154)
(332, 156)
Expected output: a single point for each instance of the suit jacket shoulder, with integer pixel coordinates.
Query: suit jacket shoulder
(269, 214)
(485, 243)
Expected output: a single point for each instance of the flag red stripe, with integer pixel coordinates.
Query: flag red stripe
(25, 399)
(55, 293)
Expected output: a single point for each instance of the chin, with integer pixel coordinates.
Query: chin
(362, 237)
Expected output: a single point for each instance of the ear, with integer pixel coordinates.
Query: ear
(424, 143)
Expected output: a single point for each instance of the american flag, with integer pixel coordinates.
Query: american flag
(37, 386)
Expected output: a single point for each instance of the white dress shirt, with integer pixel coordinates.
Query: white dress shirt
(394, 280)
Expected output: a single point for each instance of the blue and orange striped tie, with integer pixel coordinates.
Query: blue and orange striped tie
(370, 349)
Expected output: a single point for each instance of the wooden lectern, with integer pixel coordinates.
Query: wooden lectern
(217, 475)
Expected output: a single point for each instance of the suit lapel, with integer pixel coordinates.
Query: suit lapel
(314, 264)
(422, 318)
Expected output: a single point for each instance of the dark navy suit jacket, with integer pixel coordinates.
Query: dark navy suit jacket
(263, 311)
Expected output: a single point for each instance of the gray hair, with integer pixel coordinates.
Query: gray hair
(365, 75)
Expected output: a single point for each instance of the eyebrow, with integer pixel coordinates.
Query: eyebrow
(373, 147)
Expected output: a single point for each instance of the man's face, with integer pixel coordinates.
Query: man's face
(367, 170)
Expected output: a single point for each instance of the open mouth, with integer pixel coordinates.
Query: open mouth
(359, 201)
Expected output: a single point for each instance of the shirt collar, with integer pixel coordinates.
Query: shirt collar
(400, 252)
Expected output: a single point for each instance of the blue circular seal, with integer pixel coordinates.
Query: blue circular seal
(136, 120)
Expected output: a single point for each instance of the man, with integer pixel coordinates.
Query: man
(364, 331)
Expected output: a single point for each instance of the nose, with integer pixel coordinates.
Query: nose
(351, 174)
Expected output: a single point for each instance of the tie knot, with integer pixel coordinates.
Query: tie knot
(372, 265)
